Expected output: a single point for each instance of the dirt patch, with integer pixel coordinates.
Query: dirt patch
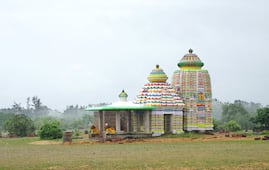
(147, 140)
(45, 142)
(206, 138)
(56, 168)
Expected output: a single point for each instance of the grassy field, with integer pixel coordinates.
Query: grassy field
(240, 154)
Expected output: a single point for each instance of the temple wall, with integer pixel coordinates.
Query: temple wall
(110, 118)
(177, 123)
(157, 121)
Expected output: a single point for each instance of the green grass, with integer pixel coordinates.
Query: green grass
(265, 132)
(19, 154)
(192, 135)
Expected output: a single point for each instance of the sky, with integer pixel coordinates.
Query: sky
(85, 52)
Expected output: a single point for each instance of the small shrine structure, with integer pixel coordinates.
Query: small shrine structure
(127, 118)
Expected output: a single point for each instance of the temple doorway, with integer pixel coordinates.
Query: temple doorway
(167, 123)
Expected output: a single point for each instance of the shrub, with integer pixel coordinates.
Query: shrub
(76, 133)
(50, 130)
(232, 126)
(19, 125)
(265, 132)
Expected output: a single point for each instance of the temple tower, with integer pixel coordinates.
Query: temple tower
(193, 84)
(123, 96)
(167, 117)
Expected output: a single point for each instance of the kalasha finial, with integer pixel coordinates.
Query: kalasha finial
(190, 51)
(157, 66)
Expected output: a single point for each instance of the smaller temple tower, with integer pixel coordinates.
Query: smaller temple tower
(193, 84)
(123, 96)
(167, 117)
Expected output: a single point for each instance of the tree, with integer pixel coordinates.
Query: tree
(50, 130)
(75, 117)
(216, 109)
(3, 118)
(40, 121)
(28, 103)
(262, 118)
(36, 102)
(20, 125)
(87, 119)
(217, 125)
(17, 107)
(238, 113)
(232, 126)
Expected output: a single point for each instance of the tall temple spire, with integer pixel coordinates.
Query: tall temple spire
(193, 84)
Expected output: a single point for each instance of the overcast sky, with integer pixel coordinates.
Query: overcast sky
(82, 52)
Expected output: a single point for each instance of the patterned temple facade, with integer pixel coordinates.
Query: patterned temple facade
(167, 117)
(193, 84)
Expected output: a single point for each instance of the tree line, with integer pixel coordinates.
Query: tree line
(240, 115)
(36, 118)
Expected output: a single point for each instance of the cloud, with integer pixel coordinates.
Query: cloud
(77, 52)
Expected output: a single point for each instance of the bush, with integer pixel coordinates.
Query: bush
(232, 126)
(50, 130)
(218, 126)
(19, 125)
(76, 132)
(261, 120)
(265, 132)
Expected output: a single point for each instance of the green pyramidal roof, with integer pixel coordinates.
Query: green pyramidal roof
(121, 105)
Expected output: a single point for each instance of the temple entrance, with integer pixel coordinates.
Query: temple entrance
(167, 123)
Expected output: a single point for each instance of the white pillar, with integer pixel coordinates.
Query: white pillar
(101, 118)
(128, 120)
(146, 121)
(117, 121)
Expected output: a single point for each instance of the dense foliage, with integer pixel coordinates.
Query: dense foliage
(217, 107)
(34, 108)
(73, 117)
(262, 119)
(50, 130)
(237, 113)
(3, 118)
(20, 125)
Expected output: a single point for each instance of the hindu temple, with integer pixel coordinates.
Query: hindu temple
(193, 84)
(162, 108)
